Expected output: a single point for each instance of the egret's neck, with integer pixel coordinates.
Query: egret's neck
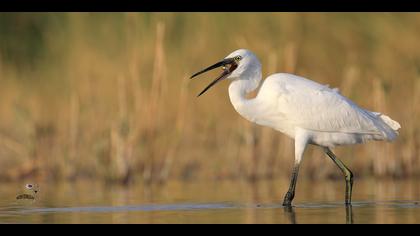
(239, 88)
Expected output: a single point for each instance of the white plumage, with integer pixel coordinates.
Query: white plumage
(286, 102)
(309, 112)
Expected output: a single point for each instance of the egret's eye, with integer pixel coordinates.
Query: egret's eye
(29, 186)
(238, 58)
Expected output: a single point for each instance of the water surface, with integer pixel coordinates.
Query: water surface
(374, 201)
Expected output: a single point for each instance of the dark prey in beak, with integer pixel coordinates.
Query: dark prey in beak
(226, 72)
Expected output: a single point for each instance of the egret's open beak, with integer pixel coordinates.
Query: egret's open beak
(228, 64)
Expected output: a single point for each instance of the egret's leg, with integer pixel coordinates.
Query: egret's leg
(347, 174)
(291, 192)
(301, 141)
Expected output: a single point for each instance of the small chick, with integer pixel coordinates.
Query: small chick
(30, 192)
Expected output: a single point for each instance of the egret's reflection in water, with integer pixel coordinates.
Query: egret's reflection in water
(349, 214)
(290, 212)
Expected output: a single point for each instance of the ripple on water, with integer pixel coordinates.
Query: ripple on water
(207, 206)
(149, 207)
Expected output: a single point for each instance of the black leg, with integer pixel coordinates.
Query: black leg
(347, 174)
(301, 140)
(291, 192)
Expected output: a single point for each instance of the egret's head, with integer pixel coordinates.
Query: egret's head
(236, 65)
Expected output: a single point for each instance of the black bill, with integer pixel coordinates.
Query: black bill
(229, 65)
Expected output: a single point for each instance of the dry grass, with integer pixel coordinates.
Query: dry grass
(109, 97)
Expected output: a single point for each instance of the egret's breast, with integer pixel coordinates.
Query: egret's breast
(265, 114)
(278, 123)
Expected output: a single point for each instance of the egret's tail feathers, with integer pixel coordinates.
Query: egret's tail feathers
(390, 123)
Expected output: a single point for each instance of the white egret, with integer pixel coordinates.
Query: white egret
(308, 112)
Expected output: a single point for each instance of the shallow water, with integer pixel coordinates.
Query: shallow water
(374, 201)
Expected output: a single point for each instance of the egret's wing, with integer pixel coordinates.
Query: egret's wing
(307, 104)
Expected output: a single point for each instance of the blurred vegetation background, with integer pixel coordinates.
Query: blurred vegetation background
(107, 96)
